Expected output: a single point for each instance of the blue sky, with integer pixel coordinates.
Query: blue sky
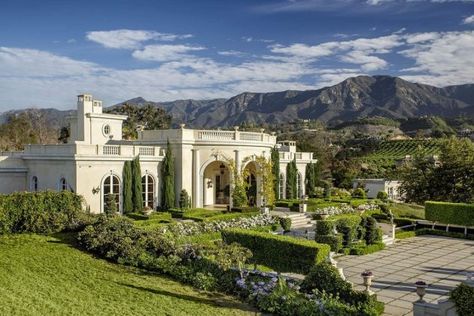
(166, 50)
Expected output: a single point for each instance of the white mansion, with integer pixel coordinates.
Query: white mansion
(92, 161)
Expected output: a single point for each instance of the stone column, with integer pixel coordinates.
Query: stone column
(196, 198)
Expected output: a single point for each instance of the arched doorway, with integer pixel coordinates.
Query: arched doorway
(250, 172)
(216, 186)
(111, 187)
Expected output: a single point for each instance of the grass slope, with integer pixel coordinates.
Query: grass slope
(42, 275)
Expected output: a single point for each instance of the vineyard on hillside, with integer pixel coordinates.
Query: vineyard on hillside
(381, 162)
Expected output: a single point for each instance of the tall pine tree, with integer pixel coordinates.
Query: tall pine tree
(275, 155)
(167, 174)
(137, 197)
(291, 175)
(127, 187)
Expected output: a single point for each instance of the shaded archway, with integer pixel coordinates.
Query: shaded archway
(216, 184)
(250, 172)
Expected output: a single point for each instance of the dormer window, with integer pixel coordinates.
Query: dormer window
(106, 130)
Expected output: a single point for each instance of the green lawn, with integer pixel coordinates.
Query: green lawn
(408, 210)
(42, 275)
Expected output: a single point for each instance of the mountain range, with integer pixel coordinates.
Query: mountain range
(352, 99)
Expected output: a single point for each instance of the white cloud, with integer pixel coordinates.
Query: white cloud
(445, 59)
(129, 39)
(469, 20)
(359, 51)
(234, 53)
(164, 52)
(34, 77)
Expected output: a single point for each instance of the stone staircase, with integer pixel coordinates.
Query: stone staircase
(301, 221)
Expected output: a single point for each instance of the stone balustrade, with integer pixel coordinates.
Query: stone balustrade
(93, 150)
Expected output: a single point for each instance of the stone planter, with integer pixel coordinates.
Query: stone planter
(421, 289)
(367, 277)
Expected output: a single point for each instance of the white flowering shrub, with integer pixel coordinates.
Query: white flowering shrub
(188, 229)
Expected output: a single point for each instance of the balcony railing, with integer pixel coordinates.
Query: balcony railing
(111, 150)
(92, 150)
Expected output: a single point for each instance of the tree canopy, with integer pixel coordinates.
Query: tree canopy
(147, 116)
(449, 177)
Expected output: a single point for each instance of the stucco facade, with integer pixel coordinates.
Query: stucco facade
(91, 163)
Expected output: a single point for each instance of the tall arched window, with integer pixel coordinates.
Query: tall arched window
(62, 184)
(111, 186)
(282, 187)
(34, 184)
(148, 191)
(299, 185)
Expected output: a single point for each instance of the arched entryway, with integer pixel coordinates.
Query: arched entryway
(250, 172)
(216, 186)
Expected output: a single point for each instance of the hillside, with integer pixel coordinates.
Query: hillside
(351, 100)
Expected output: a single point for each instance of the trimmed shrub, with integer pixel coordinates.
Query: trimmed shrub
(463, 297)
(372, 232)
(366, 249)
(450, 213)
(348, 226)
(167, 173)
(325, 227)
(285, 223)
(359, 193)
(405, 234)
(40, 212)
(382, 195)
(334, 241)
(245, 209)
(184, 199)
(323, 277)
(111, 204)
(282, 253)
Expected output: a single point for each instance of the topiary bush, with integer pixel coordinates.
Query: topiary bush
(325, 227)
(40, 212)
(382, 195)
(463, 297)
(282, 253)
(348, 226)
(334, 241)
(359, 193)
(285, 223)
(373, 234)
(184, 199)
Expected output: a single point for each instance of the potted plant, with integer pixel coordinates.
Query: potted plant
(147, 210)
(367, 276)
(421, 289)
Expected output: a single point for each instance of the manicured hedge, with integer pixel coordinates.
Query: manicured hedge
(334, 241)
(282, 253)
(325, 227)
(450, 213)
(40, 212)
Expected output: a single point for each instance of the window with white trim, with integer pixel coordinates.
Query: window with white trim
(148, 191)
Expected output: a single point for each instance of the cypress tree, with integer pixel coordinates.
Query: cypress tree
(127, 187)
(167, 174)
(137, 197)
(275, 155)
(310, 178)
(291, 174)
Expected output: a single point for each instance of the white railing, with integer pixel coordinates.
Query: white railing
(216, 135)
(111, 150)
(250, 136)
(146, 151)
(299, 155)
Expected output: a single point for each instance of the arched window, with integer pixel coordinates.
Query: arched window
(148, 191)
(111, 186)
(34, 184)
(299, 185)
(282, 187)
(62, 184)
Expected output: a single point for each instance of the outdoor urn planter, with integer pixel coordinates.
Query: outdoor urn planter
(421, 289)
(367, 277)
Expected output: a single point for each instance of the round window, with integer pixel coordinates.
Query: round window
(106, 129)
